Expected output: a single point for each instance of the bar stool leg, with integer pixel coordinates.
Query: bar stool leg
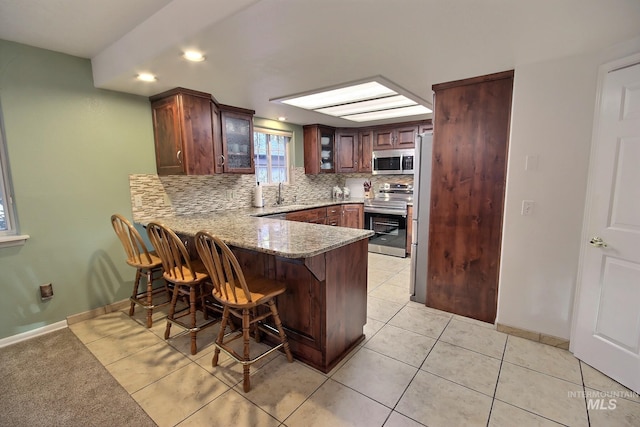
(220, 339)
(149, 296)
(136, 284)
(246, 326)
(192, 314)
(172, 312)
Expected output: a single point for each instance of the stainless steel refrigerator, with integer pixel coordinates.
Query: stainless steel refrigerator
(420, 219)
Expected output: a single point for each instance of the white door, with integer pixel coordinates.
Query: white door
(606, 330)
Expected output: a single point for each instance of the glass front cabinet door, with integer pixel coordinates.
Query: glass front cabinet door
(237, 140)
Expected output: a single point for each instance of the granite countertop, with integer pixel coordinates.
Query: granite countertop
(246, 228)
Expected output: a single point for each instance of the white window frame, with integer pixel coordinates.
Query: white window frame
(10, 236)
(287, 150)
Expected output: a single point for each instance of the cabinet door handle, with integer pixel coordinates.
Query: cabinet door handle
(179, 156)
(222, 160)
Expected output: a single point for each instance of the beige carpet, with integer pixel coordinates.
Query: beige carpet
(54, 380)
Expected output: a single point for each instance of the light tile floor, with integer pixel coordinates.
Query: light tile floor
(417, 366)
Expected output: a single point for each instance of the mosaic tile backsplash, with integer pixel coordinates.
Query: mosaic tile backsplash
(159, 196)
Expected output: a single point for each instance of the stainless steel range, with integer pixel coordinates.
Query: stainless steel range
(386, 215)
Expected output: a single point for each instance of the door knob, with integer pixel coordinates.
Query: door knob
(597, 242)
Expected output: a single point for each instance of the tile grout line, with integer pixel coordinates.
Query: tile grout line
(584, 391)
(495, 390)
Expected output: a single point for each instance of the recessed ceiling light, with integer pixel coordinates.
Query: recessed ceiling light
(365, 100)
(146, 77)
(193, 56)
(282, 118)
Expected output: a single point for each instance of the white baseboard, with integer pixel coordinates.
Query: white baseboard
(33, 333)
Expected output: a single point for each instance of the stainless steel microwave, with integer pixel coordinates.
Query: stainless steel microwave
(393, 162)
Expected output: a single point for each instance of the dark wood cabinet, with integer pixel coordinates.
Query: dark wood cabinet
(236, 126)
(307, 215)
(365, 147)
(396, 137)
(346, 215)
(425, 127)
(470, 144)
(353, 150)
(319, 149)
(352, 215)
(334, 216)
(182, 130)
(347, 150)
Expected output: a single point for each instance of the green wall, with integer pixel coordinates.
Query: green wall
(71, 148)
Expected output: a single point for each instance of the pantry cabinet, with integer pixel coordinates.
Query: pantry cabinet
(182, 132)
(470, 152)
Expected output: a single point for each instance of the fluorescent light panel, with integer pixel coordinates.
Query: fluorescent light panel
(368, 106)
(359, 102)
(392, 113)
(343, 95)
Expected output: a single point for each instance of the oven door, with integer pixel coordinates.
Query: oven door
(390, 230)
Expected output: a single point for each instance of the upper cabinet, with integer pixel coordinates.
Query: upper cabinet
(319, 149)
(182, 132)
(396, 137)
(237, 139)
(347, 150)
(365, 147)
(353, 150)
(194, 135)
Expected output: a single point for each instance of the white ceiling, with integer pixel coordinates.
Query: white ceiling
(262, 49)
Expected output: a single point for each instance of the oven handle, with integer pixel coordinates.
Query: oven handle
(392, 224)
(401, 213)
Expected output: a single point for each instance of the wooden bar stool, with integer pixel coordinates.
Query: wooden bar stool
(241, 297)
(145, 262)
(188, 277)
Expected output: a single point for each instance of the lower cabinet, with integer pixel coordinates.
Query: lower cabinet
(353, 215)
(348, 215)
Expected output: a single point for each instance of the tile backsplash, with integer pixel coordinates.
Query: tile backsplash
(159, 196)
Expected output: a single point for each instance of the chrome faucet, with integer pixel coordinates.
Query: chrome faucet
(279, 199)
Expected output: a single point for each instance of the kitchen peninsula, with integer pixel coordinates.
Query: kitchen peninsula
(325, 268)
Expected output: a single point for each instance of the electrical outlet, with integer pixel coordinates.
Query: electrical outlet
(229, 194)
(167, 200)
(137, 200)
(527, 207)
